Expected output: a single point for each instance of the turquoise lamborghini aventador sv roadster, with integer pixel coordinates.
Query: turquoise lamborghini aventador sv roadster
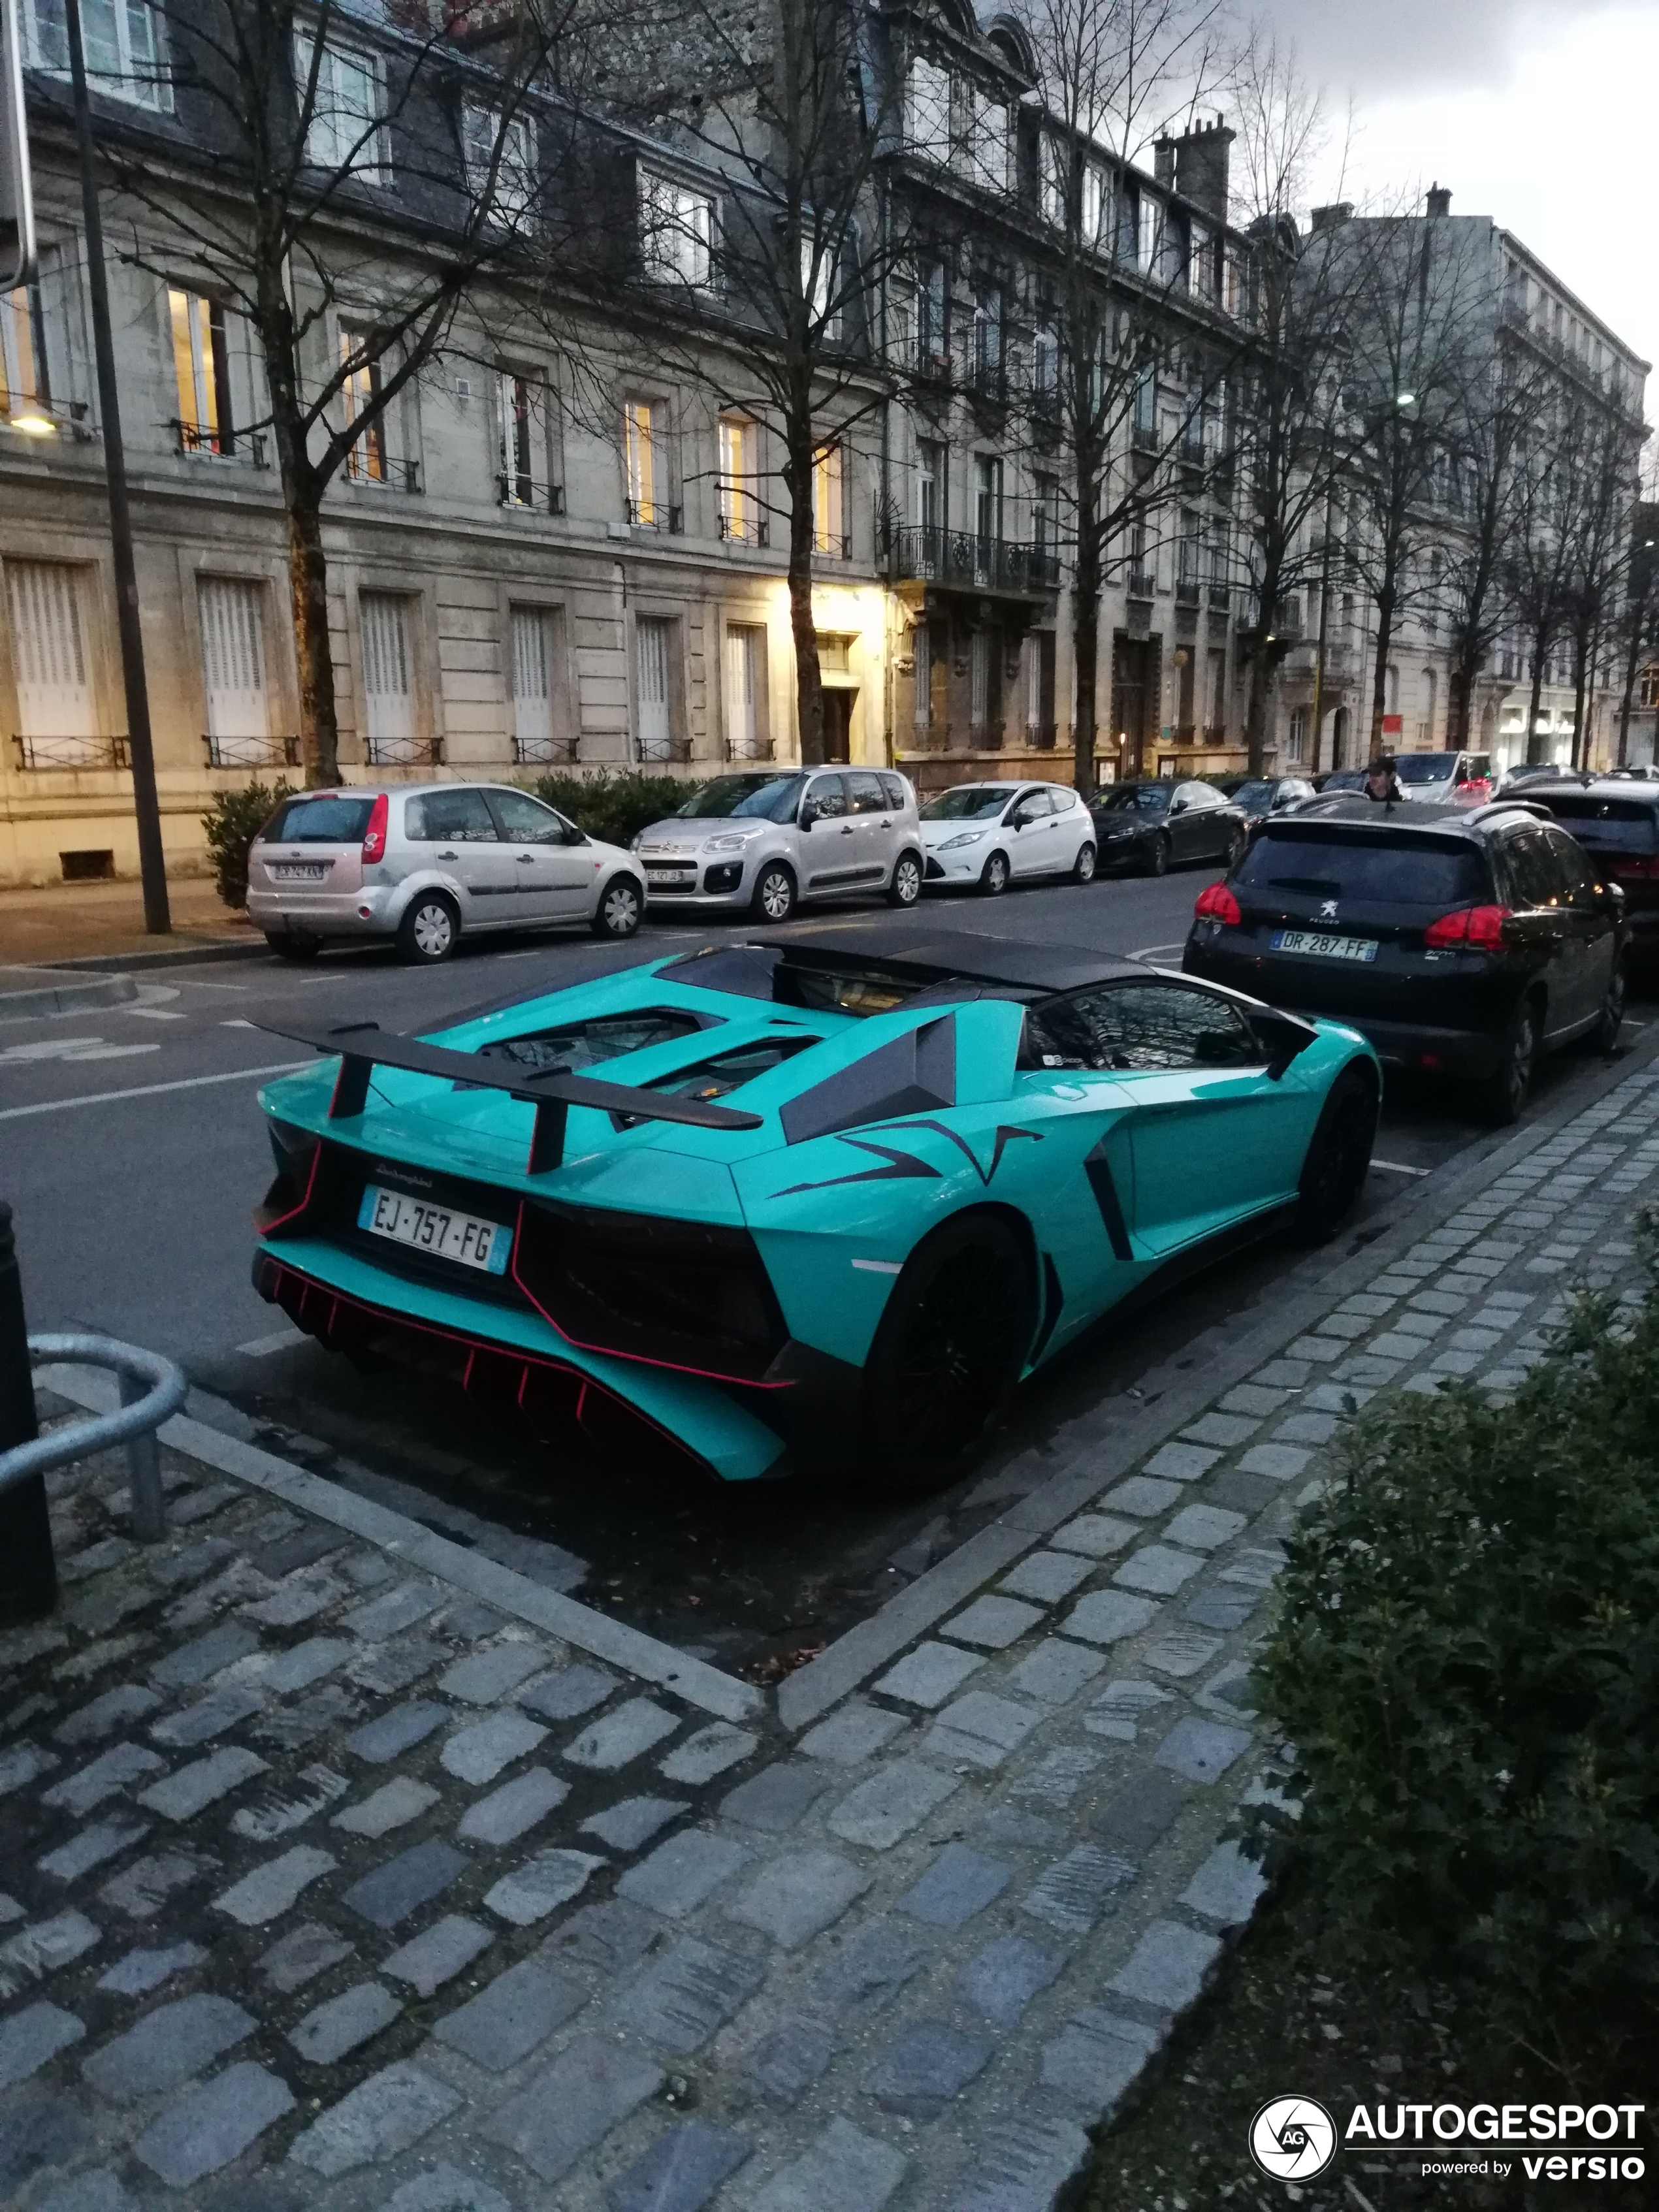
(797, 1205)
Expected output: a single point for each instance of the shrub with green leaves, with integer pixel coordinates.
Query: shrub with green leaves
(613, 808)
(232, 823)
(1465, 1657)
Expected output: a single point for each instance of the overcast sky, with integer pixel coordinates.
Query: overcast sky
(1537, 112)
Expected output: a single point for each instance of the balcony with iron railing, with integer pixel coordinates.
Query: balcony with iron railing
(751, 749)
(1219, 599)
(544, 752)
(50, 755)
(1143, 436)
(654, 515)
(524, 491)
(746, 529)
(406, 752)
(1188, 590)
(1141, 583)
(251, 752)
(382, 474)
(249, 449)
(967, 561)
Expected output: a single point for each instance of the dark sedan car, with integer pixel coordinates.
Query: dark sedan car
(1464, 941)
(1262, 795)
(1153, 825)
(1616, 820)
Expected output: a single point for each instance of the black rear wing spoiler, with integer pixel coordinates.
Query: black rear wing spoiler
(365, 1046)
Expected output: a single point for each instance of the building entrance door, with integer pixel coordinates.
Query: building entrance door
(1134, 699)
(838, 724)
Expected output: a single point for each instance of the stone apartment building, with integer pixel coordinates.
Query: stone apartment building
(1510, 304)
(517, 580)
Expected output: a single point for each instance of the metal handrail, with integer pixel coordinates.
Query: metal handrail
(152, 1388)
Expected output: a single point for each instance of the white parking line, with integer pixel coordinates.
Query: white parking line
(1399, 1167)
(152, 1089)
(153, 1013)
(1158, 956)
(261, 1346)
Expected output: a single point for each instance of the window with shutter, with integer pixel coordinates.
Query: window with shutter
(533, 737)
(744, 645)
(232, 664)
(54, 690)
(388, 698)
(651, 636)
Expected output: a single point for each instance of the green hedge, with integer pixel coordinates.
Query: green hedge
(232, 823)
(1466, 1657)
(615, 808)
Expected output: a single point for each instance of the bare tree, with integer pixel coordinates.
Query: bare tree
(1599, 544)
(1419, 314)
(1482, 495)
(772, 301)
(1639, 621)
(343, 183)
(1539, 559)
(1133, 294)
(1290, 445)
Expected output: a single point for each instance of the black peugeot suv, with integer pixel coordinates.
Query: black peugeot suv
(1461, 941)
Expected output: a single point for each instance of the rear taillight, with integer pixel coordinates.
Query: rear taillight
(1633, 866)
(1218, 904)
(1478, 927)
(374, 836)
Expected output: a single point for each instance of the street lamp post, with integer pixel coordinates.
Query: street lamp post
(152, 865)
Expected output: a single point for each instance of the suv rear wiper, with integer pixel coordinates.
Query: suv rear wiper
(1316, 886)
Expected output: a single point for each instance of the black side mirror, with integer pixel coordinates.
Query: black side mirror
(1178, 807)
(1282, 1038)
(809, 815)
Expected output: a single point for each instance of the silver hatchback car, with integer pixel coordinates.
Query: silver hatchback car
(761, 841)
(427, 863)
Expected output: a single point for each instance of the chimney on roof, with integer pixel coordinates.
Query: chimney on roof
(1202, 160)
(1439, 203)
(1328, 218)
(1163, 161)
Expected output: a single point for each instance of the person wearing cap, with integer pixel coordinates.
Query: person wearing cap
(1382, 783)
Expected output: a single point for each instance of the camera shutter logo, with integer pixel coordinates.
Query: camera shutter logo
(1292, 2138)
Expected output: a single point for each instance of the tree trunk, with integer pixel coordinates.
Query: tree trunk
(1380, 673)
(1580, 735)
(1539, 646)
(1627, 697)
(1085, 655)
(1264, 664)
(307, 576)
(809, 676)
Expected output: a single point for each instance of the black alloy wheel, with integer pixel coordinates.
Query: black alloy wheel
(1505, 1093)
(620, 906)
(1338, 1157)
(430, 929)
(1156, 860)
(906, 886)
(993, 875)
(949, 1351)
(774, 893)
(1083, 868)
(1604, 1037)
(293, 944)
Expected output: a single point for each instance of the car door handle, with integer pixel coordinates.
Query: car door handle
(847, 830)
(449, 856)
(527, 860)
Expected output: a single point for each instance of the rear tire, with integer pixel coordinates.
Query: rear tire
(1338, 1157)
(430, 929)
(993, 875)
(774, 893)
(1157, 862)
(948, 1352)
(1083, 868)
(617, 914)
(1504, 1095)
(906, 886)
(292, 945)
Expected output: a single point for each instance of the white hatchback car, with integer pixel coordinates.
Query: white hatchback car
(757, 841)
(427, 863)
(987, 835)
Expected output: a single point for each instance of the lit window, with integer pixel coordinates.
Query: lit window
(739, 518)
(343, 136)
(828, 526)
(500, 161)
(122, 43)
(641, 443)
(677, 231)
(1094, 204)
(24, 387)
(990, 145)
(360, 387)
(201, 365)
(1052, 155)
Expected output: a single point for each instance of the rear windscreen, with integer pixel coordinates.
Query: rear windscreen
(1387, 869)
(576, 1045)
(318, 822)
(1621, 825)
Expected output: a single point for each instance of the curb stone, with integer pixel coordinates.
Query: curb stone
(902, 1960)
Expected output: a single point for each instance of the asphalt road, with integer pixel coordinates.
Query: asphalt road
(132, 1149)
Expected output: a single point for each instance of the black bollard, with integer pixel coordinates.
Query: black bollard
(28, 1573)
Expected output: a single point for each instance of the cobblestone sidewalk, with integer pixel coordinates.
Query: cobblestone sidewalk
(332, 1881)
